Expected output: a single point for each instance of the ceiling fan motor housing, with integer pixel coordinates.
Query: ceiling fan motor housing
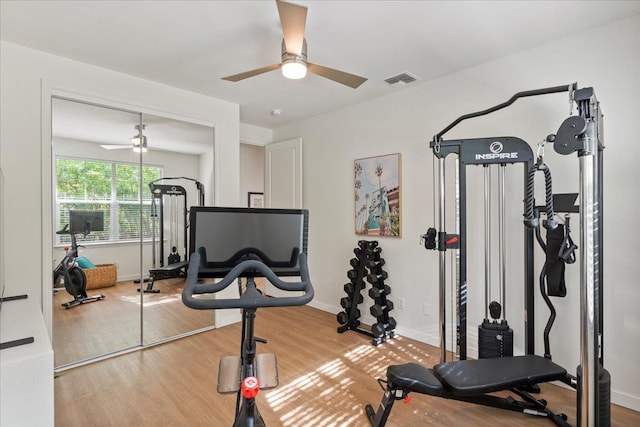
(291, 57)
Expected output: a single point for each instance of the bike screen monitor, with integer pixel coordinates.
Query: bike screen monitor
(84, 222)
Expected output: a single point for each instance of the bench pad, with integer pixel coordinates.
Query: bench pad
(169, 267)
(473, 377)
(414, 377)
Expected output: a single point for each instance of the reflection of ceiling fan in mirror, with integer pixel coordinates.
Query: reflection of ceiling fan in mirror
(136, 144)
(294, 52)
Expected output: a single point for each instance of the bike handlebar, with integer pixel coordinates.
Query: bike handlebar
(247, 299)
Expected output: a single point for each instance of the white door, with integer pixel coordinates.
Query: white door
(283, 174)
(283, 185)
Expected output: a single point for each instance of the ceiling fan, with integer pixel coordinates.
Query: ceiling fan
(138, 142)
(294, 52)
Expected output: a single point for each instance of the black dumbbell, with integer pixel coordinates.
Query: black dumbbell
(349, 288)
(373, 251)
(377, 329)
(345, 302)
(375, 278)
(354, 262)
(343, 318)
(377, 310)
(392, 324)
(352, 274)
(372, 263)
(375, 269)
(377, 292)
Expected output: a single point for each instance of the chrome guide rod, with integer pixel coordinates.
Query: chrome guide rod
(442, 259)
(487, 238)
(457, 259)
(588, 286)
(502, 242)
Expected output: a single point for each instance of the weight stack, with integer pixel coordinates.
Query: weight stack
(495, 339)
(604, 397)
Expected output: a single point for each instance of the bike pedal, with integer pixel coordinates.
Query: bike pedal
(267, 370)
(229, 375)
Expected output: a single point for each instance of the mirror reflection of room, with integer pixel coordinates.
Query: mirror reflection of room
(108, 162)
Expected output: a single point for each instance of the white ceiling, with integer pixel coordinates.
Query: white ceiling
(102, 125)
(192, 44)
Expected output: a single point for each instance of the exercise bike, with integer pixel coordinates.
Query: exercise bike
(75, 280)
(248, 373)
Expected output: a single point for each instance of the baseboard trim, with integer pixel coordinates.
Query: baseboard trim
(626, 400)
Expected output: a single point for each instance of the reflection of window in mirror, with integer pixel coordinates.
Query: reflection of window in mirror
(103, 185)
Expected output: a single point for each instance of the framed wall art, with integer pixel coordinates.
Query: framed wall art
(377, 188)
(255, 200)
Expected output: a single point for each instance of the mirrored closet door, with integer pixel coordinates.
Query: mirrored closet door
(116, 179)
(185, 153)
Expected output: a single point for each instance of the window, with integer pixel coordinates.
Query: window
(111, 187)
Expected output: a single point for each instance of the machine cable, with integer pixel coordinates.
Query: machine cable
(531, 220)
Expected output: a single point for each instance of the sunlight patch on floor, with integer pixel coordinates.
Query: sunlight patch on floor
(335, 389)
(148, 302)
(296, 412)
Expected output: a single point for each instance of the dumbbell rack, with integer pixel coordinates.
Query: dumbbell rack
(367, 265)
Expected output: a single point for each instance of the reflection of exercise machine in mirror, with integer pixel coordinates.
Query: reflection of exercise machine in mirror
(247, 243)
(75, 280)
(175, 266)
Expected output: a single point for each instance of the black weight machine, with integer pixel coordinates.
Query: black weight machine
(473, 380)
(176, 266)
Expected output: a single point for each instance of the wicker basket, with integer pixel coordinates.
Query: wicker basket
(103, 276)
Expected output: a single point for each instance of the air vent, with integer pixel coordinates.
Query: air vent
(401, 79)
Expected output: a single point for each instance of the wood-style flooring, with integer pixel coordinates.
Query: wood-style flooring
(326, 378)
(113, 323)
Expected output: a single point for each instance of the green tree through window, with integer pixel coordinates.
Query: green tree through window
(111, 187)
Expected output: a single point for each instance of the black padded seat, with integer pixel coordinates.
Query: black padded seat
(170, 267)
(473, 377)
(414, 377)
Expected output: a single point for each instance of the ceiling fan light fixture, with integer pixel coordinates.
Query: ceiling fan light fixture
(294, 69)
(135, 140)
(136, 144)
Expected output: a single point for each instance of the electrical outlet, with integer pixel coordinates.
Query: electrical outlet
(426, 309)
(400, 303)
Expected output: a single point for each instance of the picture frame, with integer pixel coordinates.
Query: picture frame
(377, 195)
(255, 200)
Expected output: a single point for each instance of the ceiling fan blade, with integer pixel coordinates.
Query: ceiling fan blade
(247, 74)
(293, 20)
(346, 79)
(116, 147)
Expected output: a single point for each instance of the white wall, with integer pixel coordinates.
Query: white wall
(27, 80)
(251, 171)
(606, 58)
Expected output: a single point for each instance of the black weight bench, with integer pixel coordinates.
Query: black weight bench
(471, 381)
(170, 271)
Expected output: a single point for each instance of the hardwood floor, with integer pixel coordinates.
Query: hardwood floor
(326, 378)
(113, 324)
